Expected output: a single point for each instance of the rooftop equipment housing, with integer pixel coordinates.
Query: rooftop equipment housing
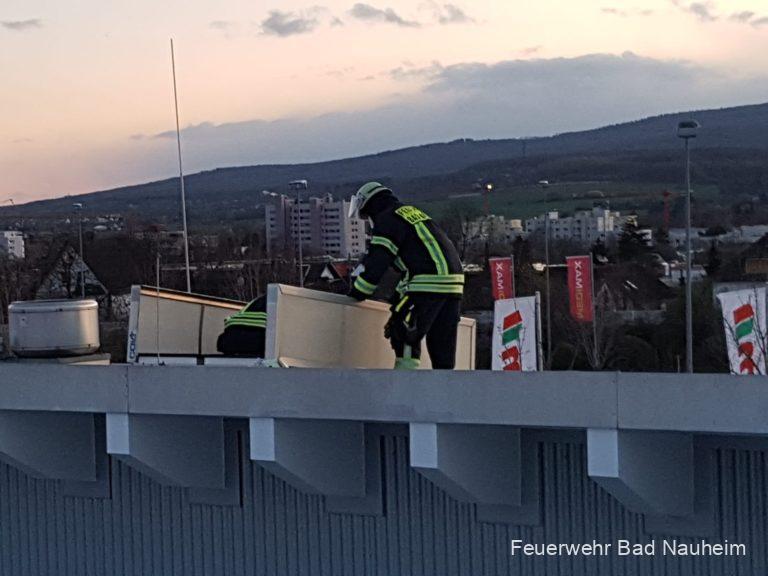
(54, 328)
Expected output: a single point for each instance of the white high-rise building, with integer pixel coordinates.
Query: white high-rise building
(586, 226)
(325, 227)
(12, 243)
(494, 228)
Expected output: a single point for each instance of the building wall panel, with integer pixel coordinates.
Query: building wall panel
(149, 529)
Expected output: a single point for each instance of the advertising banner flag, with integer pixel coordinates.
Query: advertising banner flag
(514, 345)
(580, 287)
(502, 277)
(744, 321)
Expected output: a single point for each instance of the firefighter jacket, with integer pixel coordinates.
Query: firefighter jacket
(245, 331)
(408, 239)
(253, 315)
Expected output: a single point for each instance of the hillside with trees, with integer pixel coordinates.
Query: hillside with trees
(729, 154)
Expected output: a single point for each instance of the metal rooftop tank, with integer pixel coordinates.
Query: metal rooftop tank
(53, 328)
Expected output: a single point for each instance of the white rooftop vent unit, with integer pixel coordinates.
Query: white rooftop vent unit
(54, 328)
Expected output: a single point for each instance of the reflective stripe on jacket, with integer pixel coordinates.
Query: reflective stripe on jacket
(408, 239)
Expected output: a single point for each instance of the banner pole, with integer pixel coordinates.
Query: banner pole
(594, 311)
(512, 288)
(539, 344)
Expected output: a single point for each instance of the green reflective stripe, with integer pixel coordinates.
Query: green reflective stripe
(437, 288)
(438, 279)
(402, 286)
(407, 363)
(385, 242)
(401, 304)
(244, 322)
(363, 286)
(432, 247)
(246, 319)
(437, 283)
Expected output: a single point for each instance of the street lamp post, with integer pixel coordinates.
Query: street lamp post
(79, 207)
(488, 190)
(299, 185)
(545, 188)
(486, 199)
(687, 130)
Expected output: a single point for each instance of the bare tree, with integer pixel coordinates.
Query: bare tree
(457, 223)
(15, 281)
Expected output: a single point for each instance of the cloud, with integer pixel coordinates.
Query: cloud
(749, 17)
(22, 141)
(226, 28)
(409, 72)
(513, 98)
(531, 50)
(285, 24)
(743, 17)
(340, 73)
(22, 25)
(171, 134)
(223, 25)
(370, 13)
(704, 11)
(452, 14)
(626, 13)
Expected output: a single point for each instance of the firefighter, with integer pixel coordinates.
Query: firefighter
(245, 331)
(428, 299)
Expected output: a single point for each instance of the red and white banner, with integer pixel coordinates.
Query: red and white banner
(580, 287)
(744, 321)
(514, 343)
(502, 278)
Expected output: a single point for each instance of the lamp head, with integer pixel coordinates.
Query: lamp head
(687, 129)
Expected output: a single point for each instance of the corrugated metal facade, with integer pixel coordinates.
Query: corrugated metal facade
(149, 529)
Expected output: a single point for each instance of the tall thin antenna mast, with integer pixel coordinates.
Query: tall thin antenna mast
(181, 172)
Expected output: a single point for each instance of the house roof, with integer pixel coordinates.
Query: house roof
(117, 262)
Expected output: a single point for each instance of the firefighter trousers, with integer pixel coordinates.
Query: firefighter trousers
(437, 318)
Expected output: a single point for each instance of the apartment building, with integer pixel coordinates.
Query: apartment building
(12, 243)
(322, 223)
(587, 226)
(494, 228)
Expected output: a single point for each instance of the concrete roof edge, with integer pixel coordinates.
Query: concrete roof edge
(705, 403)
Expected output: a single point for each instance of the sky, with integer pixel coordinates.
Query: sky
(87, 98)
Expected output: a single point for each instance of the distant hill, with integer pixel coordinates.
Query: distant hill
(231, 194)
